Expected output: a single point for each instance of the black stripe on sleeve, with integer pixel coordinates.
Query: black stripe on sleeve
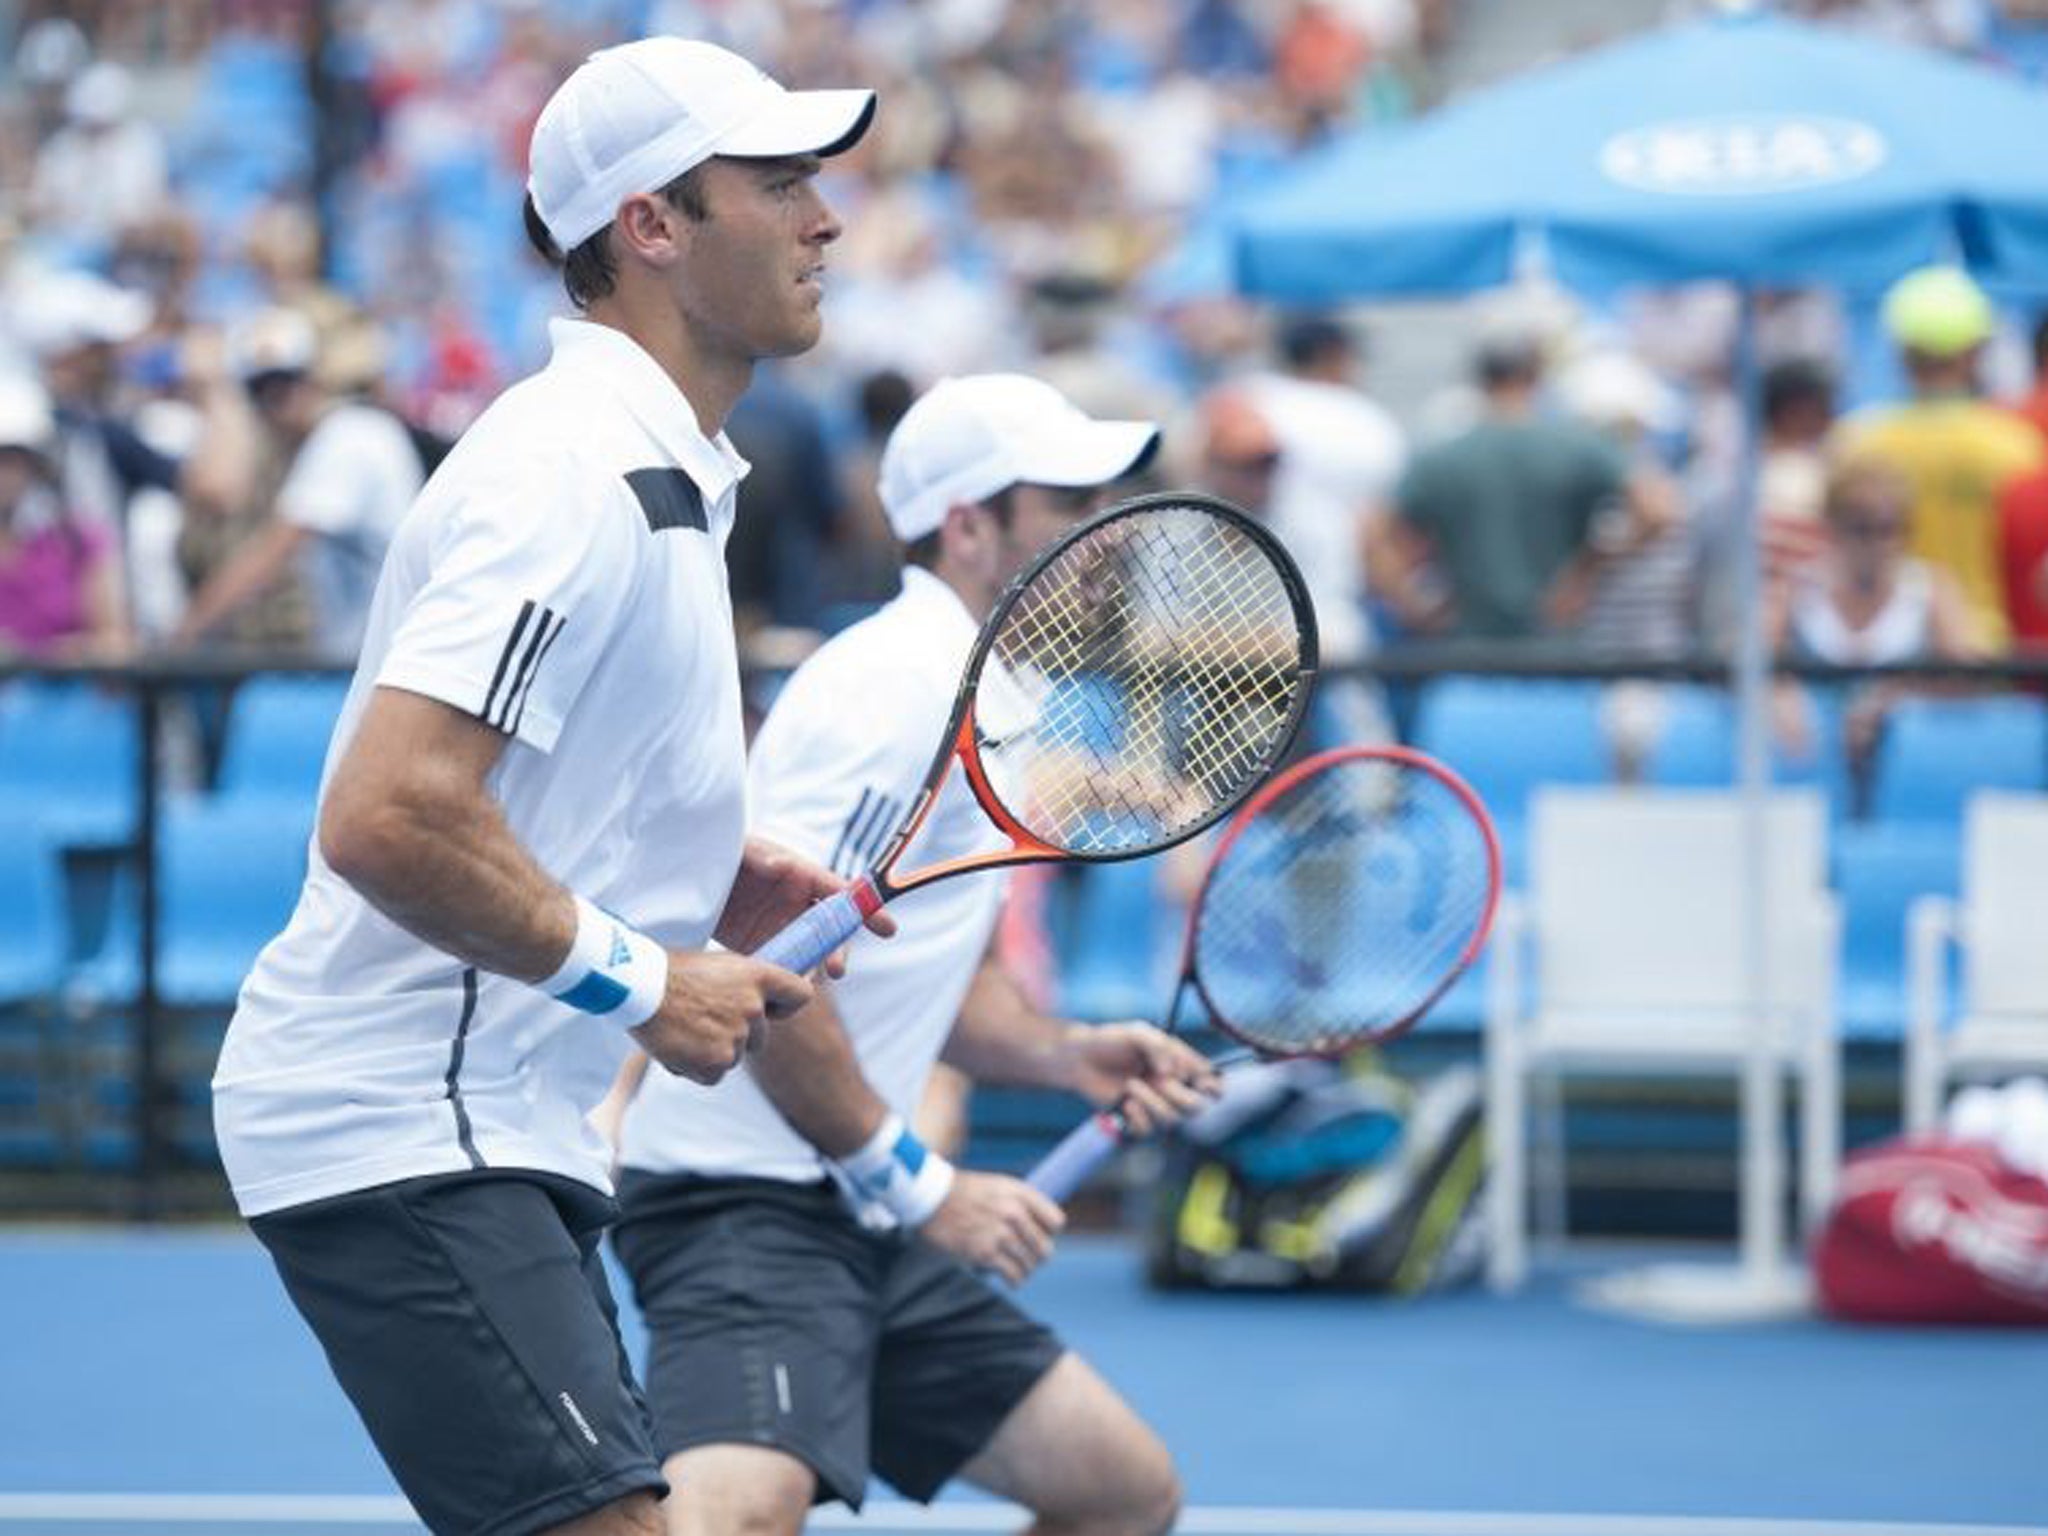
(505, 659)
(533, 644)
(539, 656)
(846, 832)
(879, 826)
(463, 1135)
(668, 498)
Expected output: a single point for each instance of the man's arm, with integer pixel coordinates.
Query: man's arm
(1397, 572)
(254, 568)
(409, 821)
(1000, 1037)
(808, 1070)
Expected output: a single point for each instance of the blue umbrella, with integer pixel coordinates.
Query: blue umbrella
(1744, 147)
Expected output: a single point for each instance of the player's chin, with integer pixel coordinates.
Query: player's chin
(798, 334)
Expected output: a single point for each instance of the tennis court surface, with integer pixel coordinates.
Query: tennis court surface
(158, 1382)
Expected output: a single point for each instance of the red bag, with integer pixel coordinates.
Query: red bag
(1931, 1230)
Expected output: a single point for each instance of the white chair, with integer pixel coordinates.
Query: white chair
(2000, 931)
(1633, 941)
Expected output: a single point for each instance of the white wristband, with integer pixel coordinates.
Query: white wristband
(613, 969)
(900, 1172)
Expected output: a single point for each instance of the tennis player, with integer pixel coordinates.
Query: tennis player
(530, 822)
(808, 1270)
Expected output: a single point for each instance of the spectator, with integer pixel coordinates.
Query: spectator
(1341, 456)
(351, 470)
(83, 332)
(1501, 532)
(1957, 450)
(60, 580)
(862, 564)
(1238, 452)
(2023, 557)
(2034, 408)
(103, 171)
(76, 325)
(790, 503)
(1792, 466)
(1644, 600)
(1868, 601)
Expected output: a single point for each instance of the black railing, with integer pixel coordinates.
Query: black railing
(151, 682)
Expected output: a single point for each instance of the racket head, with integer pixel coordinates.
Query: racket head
(1137, 680)
(1343, 900)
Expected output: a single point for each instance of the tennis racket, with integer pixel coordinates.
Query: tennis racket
(1131, 686)
(1339, 905)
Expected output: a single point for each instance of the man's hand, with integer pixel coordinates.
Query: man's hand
(1156, 1079)
(997, 1223)
(716, 1008)
(771, 891)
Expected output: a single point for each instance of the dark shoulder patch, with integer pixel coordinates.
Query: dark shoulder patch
(669, 498)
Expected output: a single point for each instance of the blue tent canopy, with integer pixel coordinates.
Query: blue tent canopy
(1745, 147)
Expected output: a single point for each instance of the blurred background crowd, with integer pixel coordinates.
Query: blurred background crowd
(261, 261)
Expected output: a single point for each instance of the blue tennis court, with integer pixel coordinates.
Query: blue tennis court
(159, 1382)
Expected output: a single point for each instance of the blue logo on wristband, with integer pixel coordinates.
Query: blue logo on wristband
(595, 993)
(909, 1153)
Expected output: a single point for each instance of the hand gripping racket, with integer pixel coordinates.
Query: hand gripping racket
(1338, 906)
(1130, 687)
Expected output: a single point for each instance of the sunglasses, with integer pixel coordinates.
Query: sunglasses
(1255, 464)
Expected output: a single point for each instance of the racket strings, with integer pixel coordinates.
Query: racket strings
(1168, 654)
(1343, 908)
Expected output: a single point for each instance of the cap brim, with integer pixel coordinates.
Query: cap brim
(802, 123)
(1091, 453)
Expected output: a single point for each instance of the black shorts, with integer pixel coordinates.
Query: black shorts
(468, 1318)
(774, 1319)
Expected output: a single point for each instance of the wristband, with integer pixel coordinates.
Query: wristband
(900, 1172)
(612, 969)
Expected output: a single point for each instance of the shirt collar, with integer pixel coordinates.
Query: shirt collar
(653, 398)
(923, 590)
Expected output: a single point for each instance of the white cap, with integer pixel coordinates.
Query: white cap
(273, 341)
(62, 311)
(100, 94)
(969, 438)
(25, 419)
(633, 118)
(1618, 389)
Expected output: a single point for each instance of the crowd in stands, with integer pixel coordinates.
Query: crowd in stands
(255, 276)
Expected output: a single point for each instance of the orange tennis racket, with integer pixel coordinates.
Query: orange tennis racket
(1131, 686)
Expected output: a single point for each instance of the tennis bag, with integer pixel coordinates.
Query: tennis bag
(1935, 1229)
(1315, 1176)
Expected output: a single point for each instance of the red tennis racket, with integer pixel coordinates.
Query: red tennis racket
(1339, 905)
(1130, 687)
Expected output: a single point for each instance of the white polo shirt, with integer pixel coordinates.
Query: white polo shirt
(834, 767)
(562, 579)
(350, 484)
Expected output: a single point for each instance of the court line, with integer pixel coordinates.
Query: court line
(972, 1519)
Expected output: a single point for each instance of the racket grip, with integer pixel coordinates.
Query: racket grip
(1067, 1166)
(821, 929)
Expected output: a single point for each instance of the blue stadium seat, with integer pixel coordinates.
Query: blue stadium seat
(278, 731)
(1696, 741)
(32, 931)
(1506, 737)
(228, 875)
(1110, 960)
(1881, 868)
(73, 753)
(1936, 753)
(1699, 744)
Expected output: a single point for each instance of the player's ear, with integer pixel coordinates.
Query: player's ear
(964, 535)
(650, 229)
